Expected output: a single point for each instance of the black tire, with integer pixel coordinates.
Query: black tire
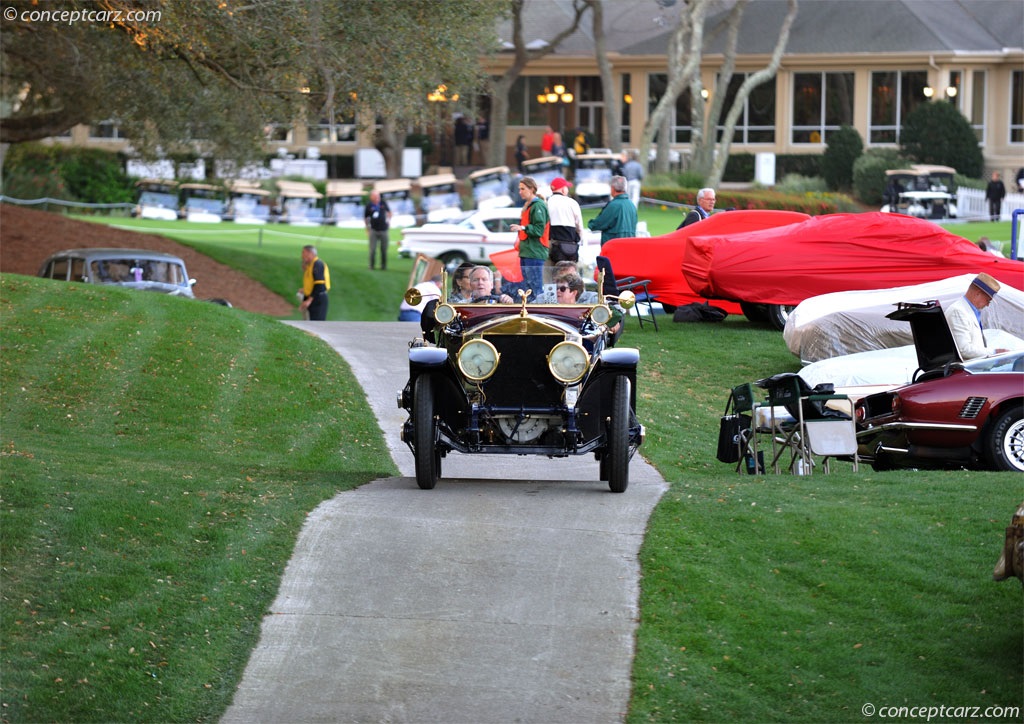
(754, 312)
(618, 437)
(1004, 441)
(423, 431)
(452, 260)
(778, 314)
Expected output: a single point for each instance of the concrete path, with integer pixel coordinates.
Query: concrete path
(506, 594)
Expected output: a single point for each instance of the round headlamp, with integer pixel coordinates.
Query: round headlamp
(568, 361)
(444, 313)
(478, 359)
(601, 314)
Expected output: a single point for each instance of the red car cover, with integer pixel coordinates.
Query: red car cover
(660, 258)
(834, 253)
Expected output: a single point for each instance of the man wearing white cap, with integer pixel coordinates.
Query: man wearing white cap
(566, 223)
(964, 318)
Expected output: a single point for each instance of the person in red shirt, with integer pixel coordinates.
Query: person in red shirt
(547, 141)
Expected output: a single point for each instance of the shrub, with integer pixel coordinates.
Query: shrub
(34, 170)
(844, 148)
(794, 183)
(869, 174)
(938, 133)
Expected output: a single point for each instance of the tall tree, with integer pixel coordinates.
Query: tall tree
(612, 115)
(209, 76)
(685, 56)
(501, 85)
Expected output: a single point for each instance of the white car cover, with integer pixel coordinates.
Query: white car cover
(844, 323)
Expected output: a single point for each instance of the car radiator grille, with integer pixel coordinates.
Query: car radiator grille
(523, 377)
(972, 407)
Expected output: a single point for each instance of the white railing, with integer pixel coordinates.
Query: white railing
(972, 206)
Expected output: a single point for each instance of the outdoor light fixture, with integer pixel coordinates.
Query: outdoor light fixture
(951, 91)
(928, 91)
(705, 93)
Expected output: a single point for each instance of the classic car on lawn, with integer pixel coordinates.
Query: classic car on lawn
(521, 379)
(954, 414)
(660, 258)
(780, 267)
(134, 268)
(476, 237)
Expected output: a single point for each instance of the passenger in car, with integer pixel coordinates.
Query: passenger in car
(461, 292)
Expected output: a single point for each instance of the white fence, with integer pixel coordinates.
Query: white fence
(972, 206)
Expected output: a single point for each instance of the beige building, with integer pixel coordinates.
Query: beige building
(865, 63)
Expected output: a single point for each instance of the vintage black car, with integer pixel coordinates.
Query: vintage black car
(521, 379)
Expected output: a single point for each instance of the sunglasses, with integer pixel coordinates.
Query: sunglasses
(563, 289)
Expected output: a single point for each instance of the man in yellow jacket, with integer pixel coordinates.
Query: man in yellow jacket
(316, 281)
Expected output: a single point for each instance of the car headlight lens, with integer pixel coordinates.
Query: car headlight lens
(444, 313)
(601, 314)
(568, 362)
(478, 359)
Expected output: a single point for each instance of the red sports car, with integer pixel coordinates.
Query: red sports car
(660, 258)
(780, 267)
(954, 415)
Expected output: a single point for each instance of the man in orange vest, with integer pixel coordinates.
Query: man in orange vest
(534, 229)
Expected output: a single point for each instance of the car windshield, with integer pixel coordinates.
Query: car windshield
(214, 206)
(121, 271)
(152, 198)
(1009, 362)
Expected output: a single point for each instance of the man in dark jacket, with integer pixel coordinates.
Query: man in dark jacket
(994, 193)
(705, 205)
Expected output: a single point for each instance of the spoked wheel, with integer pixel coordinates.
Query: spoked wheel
(1004, 445)
(428, 458)
(617, 465)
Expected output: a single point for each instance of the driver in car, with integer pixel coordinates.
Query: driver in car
(481, 288)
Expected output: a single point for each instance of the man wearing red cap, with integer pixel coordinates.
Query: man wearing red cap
(566, 223)
(964, 318)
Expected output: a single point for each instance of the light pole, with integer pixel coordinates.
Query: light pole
(558, 96)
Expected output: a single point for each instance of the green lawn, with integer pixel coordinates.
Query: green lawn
(155, 475)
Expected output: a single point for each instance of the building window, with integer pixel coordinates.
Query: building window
(893, 95)
(679, 121)
(822, 103)
(281, 132)
(954, 91)
(756, 123)
(523, 107)
(978, 105)
(107, 130)
(344, 130)
(1017, 107)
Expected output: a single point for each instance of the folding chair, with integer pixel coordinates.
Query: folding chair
(746, 406)
(802, 425)
(630, 284)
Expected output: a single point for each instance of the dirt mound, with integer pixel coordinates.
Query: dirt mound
(27, 237)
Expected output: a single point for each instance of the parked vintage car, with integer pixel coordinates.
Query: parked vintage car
(476, 237)
(521, 379)
(954, 414)
(134, 268)
(660, 258)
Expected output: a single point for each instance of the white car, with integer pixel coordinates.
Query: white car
(476, 237)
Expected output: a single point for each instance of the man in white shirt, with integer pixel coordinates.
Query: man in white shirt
(964, 318)
(566, 223)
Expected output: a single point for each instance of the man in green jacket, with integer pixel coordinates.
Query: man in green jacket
(617, 219)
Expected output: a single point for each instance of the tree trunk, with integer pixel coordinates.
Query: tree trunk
(612, 114)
